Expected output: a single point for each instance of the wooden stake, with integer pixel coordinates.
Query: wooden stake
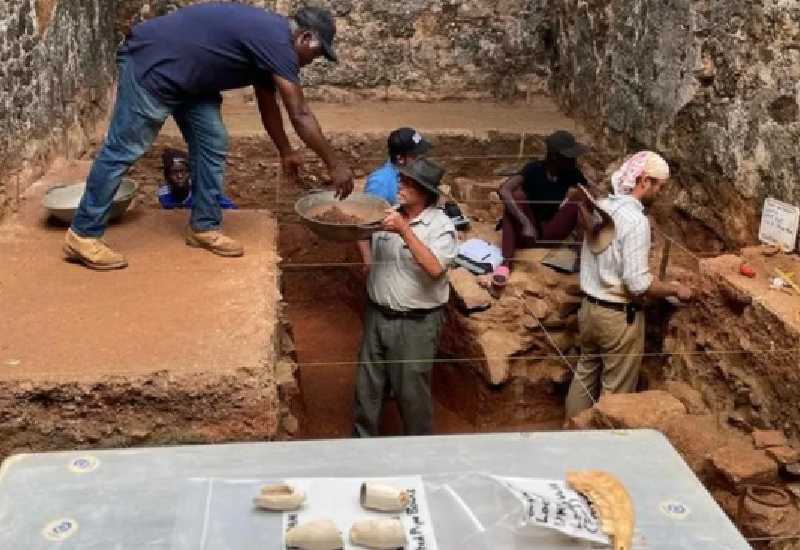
(662, 272)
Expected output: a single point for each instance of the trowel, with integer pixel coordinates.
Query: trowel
(563, 259)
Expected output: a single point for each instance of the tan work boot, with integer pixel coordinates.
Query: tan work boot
(92, 252)
(215, 241)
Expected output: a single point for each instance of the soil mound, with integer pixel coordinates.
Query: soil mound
(337, 216)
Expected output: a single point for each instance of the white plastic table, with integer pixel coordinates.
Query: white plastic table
(200, 497)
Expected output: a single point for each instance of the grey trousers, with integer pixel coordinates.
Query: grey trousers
(398, 353)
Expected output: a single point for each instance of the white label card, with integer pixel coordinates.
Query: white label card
(551, 504)
(779, 223)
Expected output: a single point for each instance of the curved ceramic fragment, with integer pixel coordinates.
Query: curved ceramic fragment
(320, 534)
(378, 533)
(280, 497)
(383, 498)
(610, 500)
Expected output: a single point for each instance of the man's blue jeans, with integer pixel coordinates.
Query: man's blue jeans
(137, 118)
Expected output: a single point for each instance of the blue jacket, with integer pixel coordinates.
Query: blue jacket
(169, 202)
(384, 182)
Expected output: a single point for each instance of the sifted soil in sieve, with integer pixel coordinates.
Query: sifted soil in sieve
(336, 215)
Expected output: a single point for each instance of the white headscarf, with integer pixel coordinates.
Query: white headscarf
(643, 163)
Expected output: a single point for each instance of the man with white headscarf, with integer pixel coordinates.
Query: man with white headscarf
(615, 277)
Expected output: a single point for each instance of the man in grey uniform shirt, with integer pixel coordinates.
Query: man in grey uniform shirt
(408, 289)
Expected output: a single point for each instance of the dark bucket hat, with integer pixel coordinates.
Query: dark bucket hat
(426, 173)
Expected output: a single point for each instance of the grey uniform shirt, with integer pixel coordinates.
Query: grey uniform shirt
(396, 280)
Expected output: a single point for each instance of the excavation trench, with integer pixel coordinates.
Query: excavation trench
(324, 302)
(720, 369)
(497, 371)
(324, 292)
(324, 289)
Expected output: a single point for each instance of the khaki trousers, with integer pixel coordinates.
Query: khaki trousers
(611, 355)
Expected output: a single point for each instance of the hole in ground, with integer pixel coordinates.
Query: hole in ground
(325, 304)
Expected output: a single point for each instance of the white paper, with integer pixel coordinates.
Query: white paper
(338, 499)
(550, 504)
(779, 223)
(479, 251)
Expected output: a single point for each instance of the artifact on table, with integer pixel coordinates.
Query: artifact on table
(383, 498)
(611, 502)
(320, 534)
(279, 497)
(378, 533)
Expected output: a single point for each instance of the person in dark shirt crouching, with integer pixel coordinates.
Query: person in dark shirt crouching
(176, 191)
(534, 200)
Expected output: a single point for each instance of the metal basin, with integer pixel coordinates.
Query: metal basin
(367, 207)
(62, 201)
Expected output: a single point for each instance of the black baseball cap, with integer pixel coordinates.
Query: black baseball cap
(321, 23)
(407, 141)
(565, 144)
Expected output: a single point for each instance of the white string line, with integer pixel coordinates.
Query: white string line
(314, 160)
(536, 357)
(772, 539)
(455, 360)
(683, 248)
(574, 370)
(490, 201)
(299, 266)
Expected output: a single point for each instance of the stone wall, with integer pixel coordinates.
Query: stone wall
(418, 49)
(56, 64)
(713, 84)
(433, 49)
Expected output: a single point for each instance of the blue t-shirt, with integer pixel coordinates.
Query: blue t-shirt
(383, 182)
(200, 50)
(168, 201)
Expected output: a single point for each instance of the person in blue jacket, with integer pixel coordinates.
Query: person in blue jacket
(405, 146)
(176, 191)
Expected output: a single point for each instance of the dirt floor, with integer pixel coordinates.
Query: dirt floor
(783, 301)
(540, 116)
(160, 288)
(185, 305)
(178, 324)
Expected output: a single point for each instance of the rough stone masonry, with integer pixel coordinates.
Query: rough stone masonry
(56, 65)
(713, 84)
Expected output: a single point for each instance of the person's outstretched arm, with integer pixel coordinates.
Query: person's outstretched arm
(272, 120)
(307, 127)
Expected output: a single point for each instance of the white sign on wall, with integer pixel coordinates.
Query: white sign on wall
(779, 223)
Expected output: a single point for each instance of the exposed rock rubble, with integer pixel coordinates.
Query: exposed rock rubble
(727, 461)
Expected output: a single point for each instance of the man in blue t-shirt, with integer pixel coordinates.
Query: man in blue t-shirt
(178, 65)
(405, 146)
